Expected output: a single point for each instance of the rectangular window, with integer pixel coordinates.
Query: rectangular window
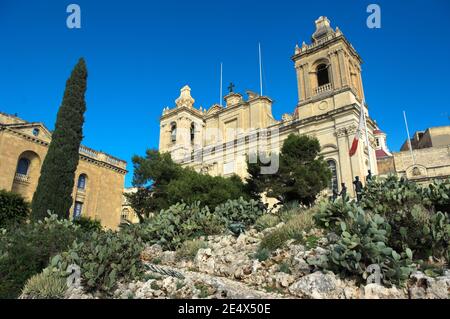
(77, 210)
(228, 168)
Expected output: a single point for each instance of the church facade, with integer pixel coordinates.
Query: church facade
(99, 177)
(219, 139)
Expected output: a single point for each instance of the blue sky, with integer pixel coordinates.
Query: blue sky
(140, 53)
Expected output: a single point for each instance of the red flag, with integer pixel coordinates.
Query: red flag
(358, 135)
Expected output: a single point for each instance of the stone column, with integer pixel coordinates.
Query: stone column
(360, 86)
(336, 80)
(357, 160)
(307, 80)
(301, 82)
(345, 164)
(343, 70)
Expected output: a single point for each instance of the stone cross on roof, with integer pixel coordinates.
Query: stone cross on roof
(231, 87)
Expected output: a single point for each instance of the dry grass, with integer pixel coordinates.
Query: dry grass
(299, 222)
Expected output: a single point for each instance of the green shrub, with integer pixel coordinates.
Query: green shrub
(383, 196)
(284, 267)
(181, 222)
(13, 209)
(267, 221)
(329, 216)
(46, 285)
(288, 210)
(88, 225)
(25, 251)
(240, 211)
(413, 215)
(104, 260)
(188, 250)
(274, 240)
(295, 227)
(363, 241)
(438, 193)
(262, 254)
(303, 221)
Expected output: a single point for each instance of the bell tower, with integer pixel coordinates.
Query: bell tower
(328, 72)
(181, 128)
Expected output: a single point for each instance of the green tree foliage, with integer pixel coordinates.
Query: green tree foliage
(177, 224)
(88, 225)
(26, 250)
(302, 173)
(55, 186)
(162, 183)
(418, 216)
(394, 225)
(240, 211)
(105, 259)
(13, 209)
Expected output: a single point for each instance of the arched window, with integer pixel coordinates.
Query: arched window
(77, 210)
(82, 181)
(173, 132)
(23, 166)
(323, 76)
(125, 214)
(192, 132)
(334, 179)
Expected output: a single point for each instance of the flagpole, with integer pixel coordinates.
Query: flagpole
(409, 139)
(221, 72)
(365, 126)
(260, 69)
(367, 134)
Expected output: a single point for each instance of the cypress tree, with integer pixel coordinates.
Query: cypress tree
(55, 186)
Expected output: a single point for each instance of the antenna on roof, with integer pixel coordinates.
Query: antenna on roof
(221, 72)
(409, 139)
(260, 70)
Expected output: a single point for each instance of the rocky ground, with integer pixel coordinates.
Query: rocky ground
(228, 268)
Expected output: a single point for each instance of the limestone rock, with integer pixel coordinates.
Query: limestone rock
(375, 291)
(283, 280)
(425, 287)
(152, 252)
(317, 285)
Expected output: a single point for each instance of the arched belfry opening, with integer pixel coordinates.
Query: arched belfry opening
(173, 132)
(192, 131)
(323, 75)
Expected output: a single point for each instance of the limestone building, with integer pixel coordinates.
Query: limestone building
(128, 214)
(429, 159)
(99, 178)
(330, 95)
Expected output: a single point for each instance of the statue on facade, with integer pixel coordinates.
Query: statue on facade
(343, 192)
(335, 194)
(369, 176)
(358, 188)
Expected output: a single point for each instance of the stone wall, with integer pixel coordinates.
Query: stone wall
(102, 196)
(386, 165)
(433, 162)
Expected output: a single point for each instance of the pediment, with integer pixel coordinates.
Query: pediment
(36, 130)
